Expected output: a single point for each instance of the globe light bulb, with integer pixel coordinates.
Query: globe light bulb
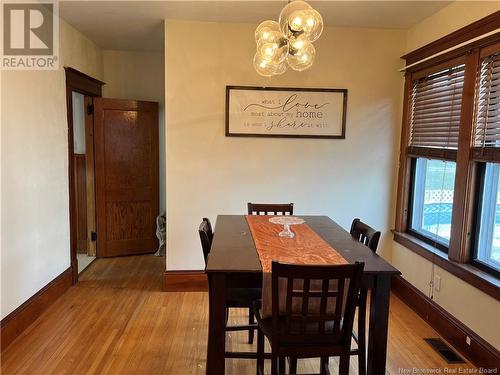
(301, 58)
(291, 20)
(266, 31)
(264, 67)
(275, 51)
(313, 25)
(297, 43)
(269, 51)
(297, 21)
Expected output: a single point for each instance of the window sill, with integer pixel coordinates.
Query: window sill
(471, 275)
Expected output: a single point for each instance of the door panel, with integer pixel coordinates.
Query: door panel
(127, 176)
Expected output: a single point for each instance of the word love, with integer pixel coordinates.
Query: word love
(292, 103)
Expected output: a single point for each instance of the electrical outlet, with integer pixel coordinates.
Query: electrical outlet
(437, 283)
(467, 340)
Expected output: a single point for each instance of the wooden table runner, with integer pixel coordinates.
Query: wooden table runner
(307, 247)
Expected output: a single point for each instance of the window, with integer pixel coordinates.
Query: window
(432, 200)
(487, 249)
(487, 143)
(449, 172)
(435, 105)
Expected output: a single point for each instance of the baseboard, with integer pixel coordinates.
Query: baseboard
(186, 281)
(21, 318)
(479, 352)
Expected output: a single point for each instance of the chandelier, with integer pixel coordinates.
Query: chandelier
(288, 42)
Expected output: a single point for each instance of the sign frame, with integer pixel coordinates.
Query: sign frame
(341, 135)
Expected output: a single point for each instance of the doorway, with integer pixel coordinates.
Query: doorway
(113, 173)
(81, 89)
(83, 180)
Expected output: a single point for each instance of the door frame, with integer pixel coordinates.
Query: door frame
(89, 86)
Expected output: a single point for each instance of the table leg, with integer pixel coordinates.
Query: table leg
(216, 324)
(379, 324)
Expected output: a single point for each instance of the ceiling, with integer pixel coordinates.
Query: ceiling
(138, 25)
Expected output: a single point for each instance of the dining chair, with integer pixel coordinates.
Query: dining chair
(235, 297)
(365, 234)
(299, 328)
(206, 237)
(270, 208)
(369, 237)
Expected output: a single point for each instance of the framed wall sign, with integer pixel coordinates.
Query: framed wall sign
(285, 112)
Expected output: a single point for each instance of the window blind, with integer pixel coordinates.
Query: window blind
(435, 106)
(487, 103)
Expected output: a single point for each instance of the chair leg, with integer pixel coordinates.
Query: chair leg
(251, 320)
(274, 364)
(293, 365)
(324, 366)
(344, 364)
(281, 366)
(362, 332)
(260, 352)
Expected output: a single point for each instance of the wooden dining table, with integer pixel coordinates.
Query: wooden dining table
(234, 262)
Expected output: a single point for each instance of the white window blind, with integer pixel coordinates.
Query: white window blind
(487, 104)
(435, 106)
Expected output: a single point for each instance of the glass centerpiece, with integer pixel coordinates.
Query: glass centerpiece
(286, 221)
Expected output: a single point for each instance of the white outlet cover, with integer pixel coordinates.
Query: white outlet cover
(437, 283)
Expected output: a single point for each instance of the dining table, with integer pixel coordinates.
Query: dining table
(234, 262)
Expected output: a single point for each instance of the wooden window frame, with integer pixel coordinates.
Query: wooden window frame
(458, 261)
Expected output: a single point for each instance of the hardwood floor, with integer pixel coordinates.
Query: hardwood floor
(117, 320)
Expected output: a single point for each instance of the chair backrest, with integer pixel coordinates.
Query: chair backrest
(334, 290)
(365, 234)
(270, 209)
(206, 237)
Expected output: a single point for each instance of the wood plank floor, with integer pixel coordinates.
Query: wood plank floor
(117, 320)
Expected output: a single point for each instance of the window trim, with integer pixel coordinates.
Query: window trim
(462, 239)
(474, 30)
(481, 170)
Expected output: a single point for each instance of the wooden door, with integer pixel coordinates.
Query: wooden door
(126, 176)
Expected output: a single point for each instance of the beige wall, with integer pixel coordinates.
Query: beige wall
(210, 174)
(474, 308)
(34, 163)
(139, 76)
(470, 305)
(452, 17)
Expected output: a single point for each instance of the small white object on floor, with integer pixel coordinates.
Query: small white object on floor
(83, 261)
(161, 229)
